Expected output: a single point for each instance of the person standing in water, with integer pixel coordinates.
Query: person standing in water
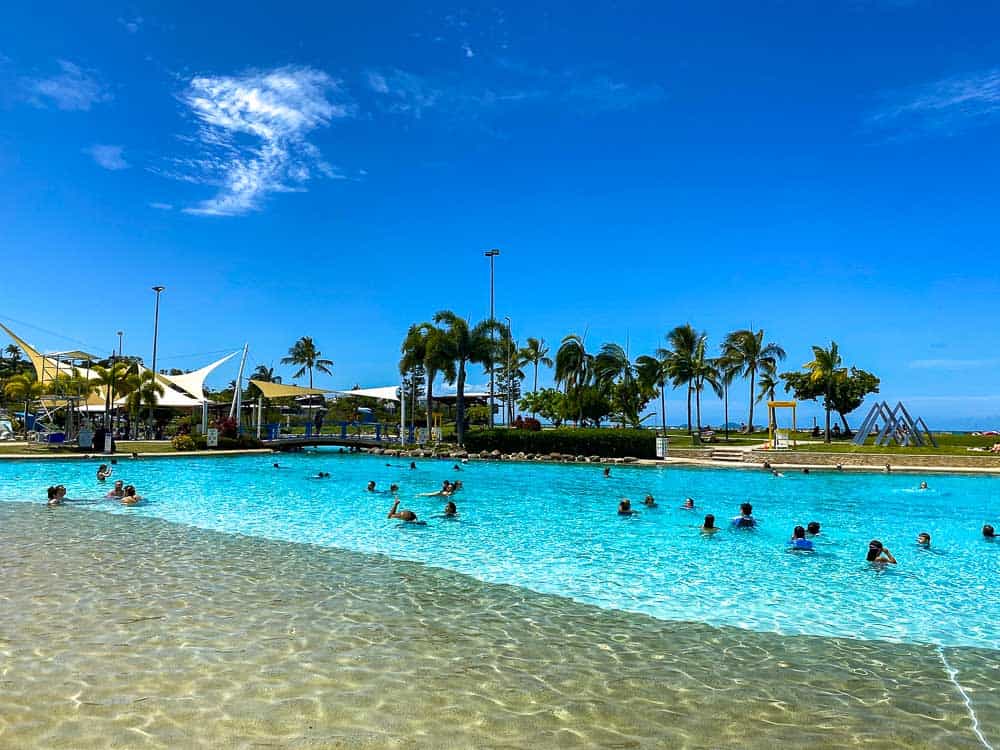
(879, 554)
(403, 515)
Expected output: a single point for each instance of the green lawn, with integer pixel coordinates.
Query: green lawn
(948, 444)
(125, 447)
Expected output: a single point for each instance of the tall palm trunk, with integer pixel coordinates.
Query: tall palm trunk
(431, 374)
(725, 407)
(753, 374)
(460, 404)
(689, 408)
(663, 407)
(827, 414)
(697, 403)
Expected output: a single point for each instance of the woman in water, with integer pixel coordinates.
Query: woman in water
(878, 553)
(709, 527)
(54, 499)
(450, 510)
(812, 528)
(625, 508)
(924, 540)
(688, 504)
(649, 502)
(371, 486)
(130, 498)
(103, 472)
(408, 516)
(118, 490)
(799, 541)
(607, 472)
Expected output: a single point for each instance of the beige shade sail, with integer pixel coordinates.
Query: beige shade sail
(280, 390)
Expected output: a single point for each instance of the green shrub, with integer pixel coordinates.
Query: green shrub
(610, 443)
(243, 441)
(183, 443)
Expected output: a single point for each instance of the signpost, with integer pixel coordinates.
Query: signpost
(212, 437)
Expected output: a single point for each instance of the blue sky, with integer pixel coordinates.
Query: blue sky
(821, 170)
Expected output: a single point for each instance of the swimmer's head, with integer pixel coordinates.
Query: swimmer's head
(746, 509)
(689, 503)
(709, 522)
(53, 492)
(923, 485)
(119, 484)
(813, 527)
(874, 550)
(988, 532)
(798, 533)
(393, 488)
(625, 505)
(924, 539)
(450, 509)
(371, 486)
(130, 491)
(649, 500)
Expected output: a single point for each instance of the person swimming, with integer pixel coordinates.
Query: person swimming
(709, 527)
(393, 489)
(878, 553)
(321, 475)
(745, 519)
(413, 464)
(456, 467)
(805, 471)
(53, 493)
(130, 498)
(276, 465)
(103, 472)
(924, 540)
(989, 532)
(456, 485)
(650, 502)
(812, 528)
(607, 472)
(450, 510)
(403, 515)
(688, 504)
(371, 486)
(923, 486)
(625, 508)
(799, 541)
(118, 490)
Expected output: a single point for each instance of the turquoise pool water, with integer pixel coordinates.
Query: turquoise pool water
(554, 529)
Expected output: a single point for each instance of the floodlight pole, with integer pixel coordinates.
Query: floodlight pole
(510, 386)
(156, 325)
(491, 254)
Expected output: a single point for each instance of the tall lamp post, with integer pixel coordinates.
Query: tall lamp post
(510, 376)
(120, 334)
(491, 254)
(156, 331)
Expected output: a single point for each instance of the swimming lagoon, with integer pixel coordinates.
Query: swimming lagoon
(553, 529)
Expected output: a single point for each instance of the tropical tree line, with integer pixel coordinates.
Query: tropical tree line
(607, 383)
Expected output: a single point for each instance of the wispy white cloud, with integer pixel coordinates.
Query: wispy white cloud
(403, 92)
(109, 157)
(161, 206)
(605, 93)
(72, 88)
(945, 106)
(252, 135)
(954, 364)
(131, 25)
(468, 50)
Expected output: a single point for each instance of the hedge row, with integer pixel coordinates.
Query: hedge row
(609, 443)
(200, 442)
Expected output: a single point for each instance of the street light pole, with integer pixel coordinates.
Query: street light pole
(491, 254)
(120, 334)
(510, 377)
(156, 331)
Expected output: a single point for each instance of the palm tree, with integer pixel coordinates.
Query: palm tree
(612, 366)
(24, 387)
(307, 357)
(466, 345)
(574, 366)
(265, 374)
(748, 351)
(426, 344)
(703, 370)
(14, 351)
(825, 369)
(109, 379)
(144, 391)
(728, 370)
(535, 353)
(513, 376)
(683, 342)
(654, 373)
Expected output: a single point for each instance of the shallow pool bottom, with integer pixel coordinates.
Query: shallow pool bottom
(126, 631)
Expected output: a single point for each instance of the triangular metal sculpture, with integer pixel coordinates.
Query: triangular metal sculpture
(897, 427)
